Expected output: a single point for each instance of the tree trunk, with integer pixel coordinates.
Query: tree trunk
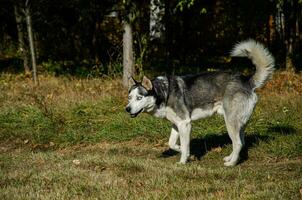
(271, 29)
(128, 64)
(95, 43)
(22, 46)
(289, 51)
(287, 9)
(31, 42)
(157, 12)
(289, 66)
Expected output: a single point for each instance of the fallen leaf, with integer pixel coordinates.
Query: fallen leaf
(76, 162)
(26, 141)
(217, 149)
(140, 184)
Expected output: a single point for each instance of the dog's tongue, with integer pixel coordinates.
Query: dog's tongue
(134, 115)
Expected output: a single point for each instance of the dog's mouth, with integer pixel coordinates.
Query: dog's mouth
(135, 114)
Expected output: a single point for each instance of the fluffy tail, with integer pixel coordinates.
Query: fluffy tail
(261, 58)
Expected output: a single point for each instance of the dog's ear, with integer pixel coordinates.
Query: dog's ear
(146, 83)
(131, 82)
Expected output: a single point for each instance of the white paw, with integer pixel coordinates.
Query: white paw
(227, 158)
(175, 149)
(181, 163)
(230, 164)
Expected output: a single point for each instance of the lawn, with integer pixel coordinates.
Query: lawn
(70, 138)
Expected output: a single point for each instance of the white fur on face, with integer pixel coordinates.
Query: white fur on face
(139, 103)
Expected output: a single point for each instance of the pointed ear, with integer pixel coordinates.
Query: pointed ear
(131, 81)
(147, 83)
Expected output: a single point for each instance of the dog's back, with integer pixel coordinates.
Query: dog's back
(204, 91)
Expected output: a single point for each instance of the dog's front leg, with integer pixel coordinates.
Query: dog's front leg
(173, 139)
(184, 128)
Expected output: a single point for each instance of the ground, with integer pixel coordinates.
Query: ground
(70, 138)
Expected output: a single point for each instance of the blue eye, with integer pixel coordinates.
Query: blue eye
(139, 98)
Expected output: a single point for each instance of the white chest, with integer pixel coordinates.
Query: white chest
(160, 112)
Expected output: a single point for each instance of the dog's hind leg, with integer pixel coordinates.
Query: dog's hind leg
(237, 143)
(229, 157)
(173, 139)
(237, 113)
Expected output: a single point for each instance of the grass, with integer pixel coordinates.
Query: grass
(71, 139)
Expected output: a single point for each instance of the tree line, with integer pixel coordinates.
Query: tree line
(109, 37)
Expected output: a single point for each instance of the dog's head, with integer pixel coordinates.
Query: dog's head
(140, 98)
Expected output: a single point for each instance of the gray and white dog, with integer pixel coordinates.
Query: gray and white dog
(183, 99)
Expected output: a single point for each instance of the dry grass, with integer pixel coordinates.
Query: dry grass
(129, 170)
(283, 83)
(58, 90)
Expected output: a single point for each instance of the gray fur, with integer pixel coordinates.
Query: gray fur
(183, 99)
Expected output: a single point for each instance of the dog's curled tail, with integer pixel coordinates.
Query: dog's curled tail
(261, 58)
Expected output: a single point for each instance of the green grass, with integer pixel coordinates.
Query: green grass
(44, 131)
(136, 171)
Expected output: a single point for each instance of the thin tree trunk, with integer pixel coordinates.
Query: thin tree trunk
(271, 29)
(289, 66)
(156, 25)
(289, 16)
(31, 42)
(95, 43)
(22, 47)
(128, 64)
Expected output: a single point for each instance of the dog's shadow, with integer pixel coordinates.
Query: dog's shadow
(200, 146)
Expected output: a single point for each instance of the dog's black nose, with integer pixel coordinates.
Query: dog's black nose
(128, 109)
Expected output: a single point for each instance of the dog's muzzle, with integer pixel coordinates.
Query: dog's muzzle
(128, 110)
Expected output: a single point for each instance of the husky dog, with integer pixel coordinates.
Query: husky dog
(183, 99)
